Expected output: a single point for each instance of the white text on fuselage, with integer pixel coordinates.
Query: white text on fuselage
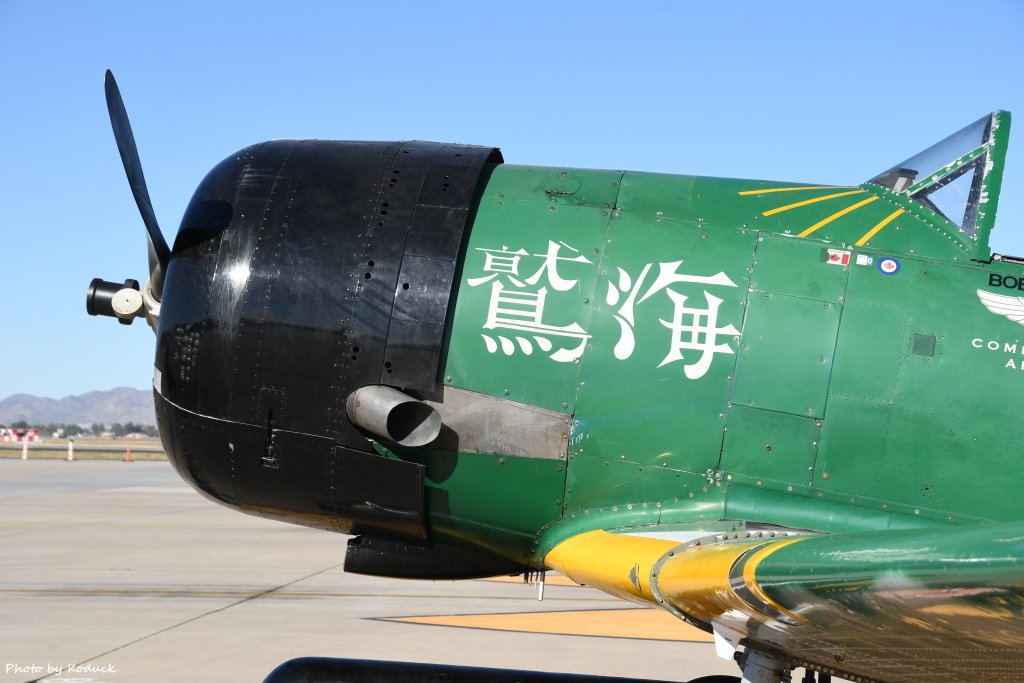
(519, 303)
(1011, 348)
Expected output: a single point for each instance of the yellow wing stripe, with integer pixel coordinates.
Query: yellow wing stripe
(751, 581)
(797, 205)
(825, 221)
(875, 230)
(791, 189)
(614, 563)
(696, 580)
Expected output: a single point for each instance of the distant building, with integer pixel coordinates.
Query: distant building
(12, 434)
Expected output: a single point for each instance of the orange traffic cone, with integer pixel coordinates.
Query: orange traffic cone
(128, 454)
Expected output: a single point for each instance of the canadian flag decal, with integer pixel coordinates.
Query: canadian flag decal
(837, 257)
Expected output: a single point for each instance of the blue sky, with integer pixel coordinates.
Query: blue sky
(803, 91)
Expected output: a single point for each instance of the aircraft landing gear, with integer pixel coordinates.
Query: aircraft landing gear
(822, 677)
(764, 667)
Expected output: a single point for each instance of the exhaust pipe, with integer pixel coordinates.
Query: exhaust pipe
(392, 415)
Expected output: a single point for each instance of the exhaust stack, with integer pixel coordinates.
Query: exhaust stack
(392, 415)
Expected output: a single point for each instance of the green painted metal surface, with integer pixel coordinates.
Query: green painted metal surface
(986, 218)
(524, 300)
(489, 501)
(882, 350)
(899, 605)
(647, 351)
(732, 353)
(792, 376)
(596, 482)
(664, 338)
(833, 566)
(726, 349)
(916, 428)
(769, 445)
(787, 265)
(701, 506)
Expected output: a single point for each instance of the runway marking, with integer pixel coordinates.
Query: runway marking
(28, 526)
(247, 598)
(275, 595)
(640, 624)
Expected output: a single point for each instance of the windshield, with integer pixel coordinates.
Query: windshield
(947, 177)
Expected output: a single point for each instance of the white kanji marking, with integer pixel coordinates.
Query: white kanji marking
(499, 261)
(521, 308)
(514, 310)
(667, 275)
(696, 329)
(550, 267)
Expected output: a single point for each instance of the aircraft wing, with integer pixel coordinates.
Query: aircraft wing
(895, 605)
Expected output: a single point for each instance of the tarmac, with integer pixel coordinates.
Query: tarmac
(114, 571)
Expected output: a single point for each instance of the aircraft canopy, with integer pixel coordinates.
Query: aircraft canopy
(959, 177)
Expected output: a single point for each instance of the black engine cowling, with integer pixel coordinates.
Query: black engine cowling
(302, 271)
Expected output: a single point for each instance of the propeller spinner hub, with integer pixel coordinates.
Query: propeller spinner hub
(126, 302)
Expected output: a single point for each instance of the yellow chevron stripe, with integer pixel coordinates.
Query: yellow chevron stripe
(805, 202)
(791, 189)
(750, 566)
(825, 221)
(697, 581)
(874, 231)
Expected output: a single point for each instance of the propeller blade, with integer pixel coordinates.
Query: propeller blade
(159, 253)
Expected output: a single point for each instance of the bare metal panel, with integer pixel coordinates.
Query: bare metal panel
(477, 423)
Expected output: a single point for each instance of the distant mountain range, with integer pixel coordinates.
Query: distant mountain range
(119, 405)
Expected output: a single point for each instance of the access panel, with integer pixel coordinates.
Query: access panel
(785, 355)
(766, 445)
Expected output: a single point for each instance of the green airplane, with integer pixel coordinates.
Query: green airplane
(783, 412)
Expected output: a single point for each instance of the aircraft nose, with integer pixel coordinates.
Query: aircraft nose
(305, 271)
